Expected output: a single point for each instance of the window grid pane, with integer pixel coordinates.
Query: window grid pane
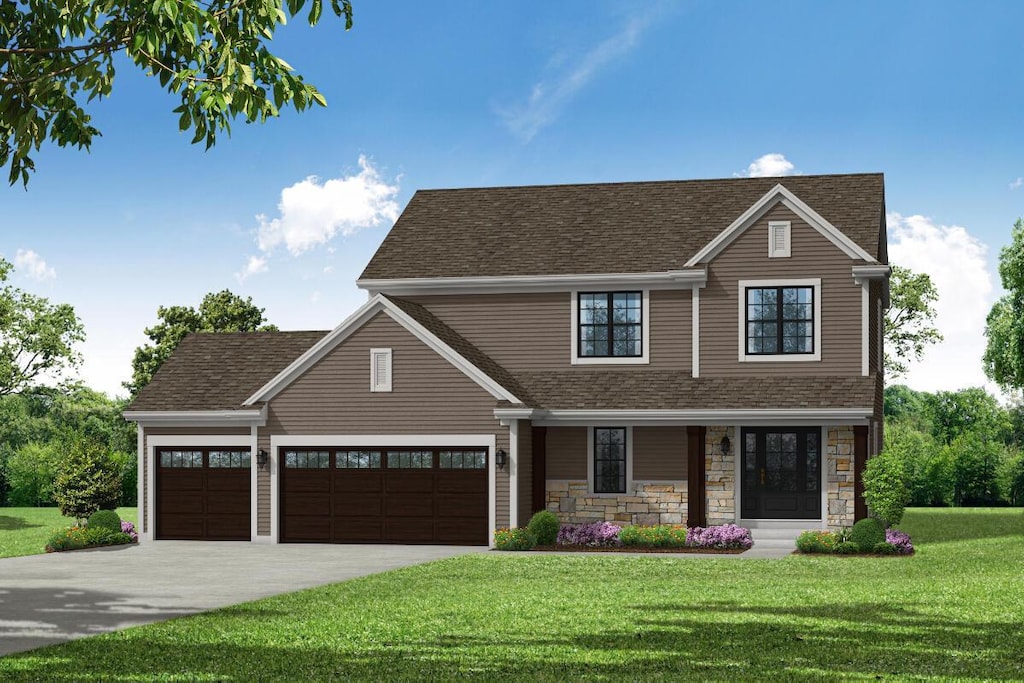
(462, 460)
(609, 460)
(780, 329)
(358, 460)
(230, 459)
(410, 460)
(307, 460)
(610, 324)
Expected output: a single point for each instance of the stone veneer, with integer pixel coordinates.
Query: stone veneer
(720, 476)
(839, 464)
(647, 502)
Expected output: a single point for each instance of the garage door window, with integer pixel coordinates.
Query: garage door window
(405, 460)
(463, 460)
(181, 459)
(307, 460)
(358, 460)
(230, 459)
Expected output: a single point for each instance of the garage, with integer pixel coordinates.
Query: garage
(203, 494)
(384, 495)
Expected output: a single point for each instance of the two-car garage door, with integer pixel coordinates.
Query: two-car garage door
(385, 495)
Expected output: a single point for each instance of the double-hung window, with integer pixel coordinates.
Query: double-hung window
(610, 325)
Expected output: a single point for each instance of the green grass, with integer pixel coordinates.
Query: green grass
(953, 610)
(24, 531)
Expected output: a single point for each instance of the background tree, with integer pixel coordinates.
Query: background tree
(909, 323)
(30, 472)
(219, 312)
(1004, 327)
(37, 338)
(57, 57)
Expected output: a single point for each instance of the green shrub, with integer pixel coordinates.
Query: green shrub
(658, 536)
(514, 539)
(544, 527)
(817, 542)
(847, 548)
(105, 519)
(885, 490)
(77, 537)
(867, 533)
(884, 548)
(87, 479)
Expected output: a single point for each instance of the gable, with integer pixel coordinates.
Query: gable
(808, 249)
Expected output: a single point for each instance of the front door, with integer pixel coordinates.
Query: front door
(781, 473)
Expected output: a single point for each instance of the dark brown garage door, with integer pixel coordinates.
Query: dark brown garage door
(384, 495)
(203, 494)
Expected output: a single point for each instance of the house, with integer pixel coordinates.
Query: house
(695, 352)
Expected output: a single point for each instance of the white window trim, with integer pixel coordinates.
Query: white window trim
(774, 250)
(375, 385)
(741, 296)
(590, 460)
(645, 331)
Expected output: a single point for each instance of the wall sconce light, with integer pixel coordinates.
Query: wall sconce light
(261, 459)
(500, 458)
(725, 445)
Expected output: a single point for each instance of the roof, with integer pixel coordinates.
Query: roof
(219, 371)
(601, 228)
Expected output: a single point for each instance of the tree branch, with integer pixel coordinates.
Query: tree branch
(99, 47)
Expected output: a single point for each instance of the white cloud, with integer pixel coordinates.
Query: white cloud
(312, 212)
(955, 260)
(1016, 184)
(769, 165)
(33, 266)
(549, 97)
(256, 264)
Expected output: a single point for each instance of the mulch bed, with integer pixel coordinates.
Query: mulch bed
(631, 549)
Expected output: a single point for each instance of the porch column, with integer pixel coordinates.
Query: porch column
(540, 467)
(696, 504)
(860, 459)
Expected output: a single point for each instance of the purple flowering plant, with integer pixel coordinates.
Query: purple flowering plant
(594, 535)
(724, 537)
(129, 528)
(899, 540)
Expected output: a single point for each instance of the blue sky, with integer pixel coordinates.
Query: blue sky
(469, 94)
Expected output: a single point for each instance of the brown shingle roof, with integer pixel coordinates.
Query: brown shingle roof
(219, 371)
(601, 228)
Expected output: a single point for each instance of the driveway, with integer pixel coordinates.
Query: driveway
(47, 599)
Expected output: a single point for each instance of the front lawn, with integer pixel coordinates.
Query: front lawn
(24, 531)
(953, 610)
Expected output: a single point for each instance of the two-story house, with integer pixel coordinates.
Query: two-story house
(695, 352)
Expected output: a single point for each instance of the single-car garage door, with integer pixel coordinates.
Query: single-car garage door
(384, 495)
(203, 494)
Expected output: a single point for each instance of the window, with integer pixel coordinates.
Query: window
(404, 460)
(230, 459)
(610, 324)
(609, 460)
(307, 460)
(462, 460)
(358, 460)
(177, 459)
(779, 239)
(380, 370)
(780, 320)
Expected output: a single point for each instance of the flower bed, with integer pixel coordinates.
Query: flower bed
(80, 537)
(838, 543)
(605, 536)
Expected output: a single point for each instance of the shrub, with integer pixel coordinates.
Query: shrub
(885, 489)
(724, 537)
(77, 537)
(129, 528)
(817, 542)
(847, 548)
(87, 479)
(867, 533)
(659, 536)
(900, 541)
(544, 526)
(595, 535)
(105, 519)
(514, 539)
(884, 548)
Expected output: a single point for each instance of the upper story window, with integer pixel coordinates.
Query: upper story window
(780, 320)
(610, 325)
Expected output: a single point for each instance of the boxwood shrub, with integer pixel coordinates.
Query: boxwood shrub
(867, 533)
(104, 519)
(544, 526)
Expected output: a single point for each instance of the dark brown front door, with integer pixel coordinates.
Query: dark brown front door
(384, 495)
(781, 473)
(203, 494)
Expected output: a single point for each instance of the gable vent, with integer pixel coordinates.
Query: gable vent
(380, 369)
(778, 239)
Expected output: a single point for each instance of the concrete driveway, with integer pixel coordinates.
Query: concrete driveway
(47, 599)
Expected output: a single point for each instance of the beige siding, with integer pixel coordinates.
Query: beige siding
(567, 453)
(747, 259)
(534, 331)
(173, 431)
(525, 478)
(429, 396)
(263, 486)
(659, 453)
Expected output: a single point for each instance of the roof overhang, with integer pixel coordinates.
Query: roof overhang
(209, 418)
(863, 275)
(795, 417)
(776, 195)
(670, 279)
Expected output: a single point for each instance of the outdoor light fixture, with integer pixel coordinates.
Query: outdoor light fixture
(501, 457)
(726, 445)
(261, 459)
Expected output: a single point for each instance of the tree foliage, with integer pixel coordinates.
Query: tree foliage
(37, 338)
(885, 489)
(30, 471)
(1004, 327)
(909, 323)
(87, 478)
(56, 58)
(219, 312)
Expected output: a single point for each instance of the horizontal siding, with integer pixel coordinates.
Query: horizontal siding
(567, 453)
(659, 453)
(747, 259)
(671, 328)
